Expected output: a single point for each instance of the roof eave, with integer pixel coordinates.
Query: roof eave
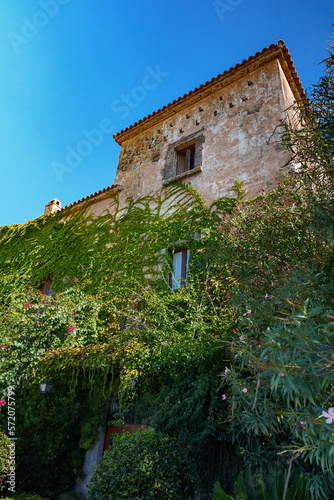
(95, 197)
(279, 51)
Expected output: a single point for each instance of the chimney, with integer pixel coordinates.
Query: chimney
(52, 207)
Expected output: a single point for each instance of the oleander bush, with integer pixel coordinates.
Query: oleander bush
(275, 485)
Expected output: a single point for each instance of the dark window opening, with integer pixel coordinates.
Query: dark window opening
(45, 288)
(185, 159)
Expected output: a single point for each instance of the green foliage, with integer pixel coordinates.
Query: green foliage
(274, 486)
(280, 384)
(239, 189)
(308, 136)
(104, 321)
(71, 495)
(49, 431)
(218, 493)
(4, 457)
(107, 323)
(24, 496)
(118, 251)
(143, 465)
(254, 324)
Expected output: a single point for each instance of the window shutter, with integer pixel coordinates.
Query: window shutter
(187, 162)
(184, 254)
(177, 270)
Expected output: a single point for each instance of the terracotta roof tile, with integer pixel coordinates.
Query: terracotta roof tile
(231, 71)
(109, 188)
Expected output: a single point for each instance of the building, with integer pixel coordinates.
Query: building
(226, 128)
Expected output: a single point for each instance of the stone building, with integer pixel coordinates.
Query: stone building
(226, 128)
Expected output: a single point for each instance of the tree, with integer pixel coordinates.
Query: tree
(279, 389)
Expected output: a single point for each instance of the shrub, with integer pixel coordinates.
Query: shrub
(142, 465)
(24, 496)
(47, 430)
(4, 456)
(277, 485)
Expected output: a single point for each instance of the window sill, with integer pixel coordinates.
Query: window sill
(195, 170)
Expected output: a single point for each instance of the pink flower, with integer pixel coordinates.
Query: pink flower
(223, 397)
(226, 370)
(241, 338)
(302, 422)
(261, 191)
(329, 316)
(70, 328)
(45, 301)
(2, 402)
(249, 311)
(293, 206)
(244, 390)
(28, 304)
(282, 375)
(75, 280)
(266, 296)
(329, 415)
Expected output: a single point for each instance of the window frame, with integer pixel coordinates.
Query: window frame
(186, 156)
(182, 278)
(194, 141)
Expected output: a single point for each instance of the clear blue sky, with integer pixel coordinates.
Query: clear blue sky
(67, 65)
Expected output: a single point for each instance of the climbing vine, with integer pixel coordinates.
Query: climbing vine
(237, 365)
(112, 316)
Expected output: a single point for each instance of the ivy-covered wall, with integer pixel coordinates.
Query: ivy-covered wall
(237, 366)
(112, 316)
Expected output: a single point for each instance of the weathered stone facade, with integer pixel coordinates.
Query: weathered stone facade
(232, 125)
(232, 122)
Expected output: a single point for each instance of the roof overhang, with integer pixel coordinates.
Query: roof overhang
(275, 51)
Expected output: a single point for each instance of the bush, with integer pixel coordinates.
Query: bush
(142, 465)
(277, 485)
(4, 457)
(48, 436)
(24, 496)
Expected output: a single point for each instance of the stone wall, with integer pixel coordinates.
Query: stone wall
(232, 124)
(240, 139)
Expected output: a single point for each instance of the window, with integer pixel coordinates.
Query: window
(46, 287)
(178, 276)
(185, 159)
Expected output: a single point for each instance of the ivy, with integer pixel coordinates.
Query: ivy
(112, 317)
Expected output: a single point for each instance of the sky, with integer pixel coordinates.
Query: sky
(75, 72)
